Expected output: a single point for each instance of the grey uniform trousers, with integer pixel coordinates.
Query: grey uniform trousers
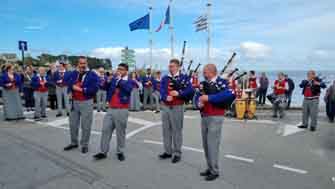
(172, 119)
(310, 109)
(147, 94)
(156, 95)
(279, 106)
(41, 102)
(211, 127)
(61, 93)
(115, 119)
(101, 100)
(81, 115)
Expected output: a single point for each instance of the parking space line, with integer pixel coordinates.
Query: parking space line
(229, 156)
(184, 147)
(190, 117)
(135, 132)
(283, 167)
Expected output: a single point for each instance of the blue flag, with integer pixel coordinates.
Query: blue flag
(141, 23)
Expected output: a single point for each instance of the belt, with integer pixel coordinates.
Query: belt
(312, 98)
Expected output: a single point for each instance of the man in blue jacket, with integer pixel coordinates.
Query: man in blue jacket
(213, 98)
(39, 83)
(118, 97)
(148, 84)
(60, 79)
(83, 85)
(175, 89)
(102, 92)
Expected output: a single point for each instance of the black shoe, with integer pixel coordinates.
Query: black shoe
(274, 116)
(44, 116)
(312, 129)
(205, 173)
(105, 111)
(98, 111)
(121, 157)
(165, 156)
(302, 126)
(37, 118)
(100, 156)
(68, 114)
(70, 147)
(84, 150)
(281, 117)
(59, 115)
(157, 111)
(176, 159)
(211, 177)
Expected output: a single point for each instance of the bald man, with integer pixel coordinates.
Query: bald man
(214, 97)
(311, 89)
(39, 83)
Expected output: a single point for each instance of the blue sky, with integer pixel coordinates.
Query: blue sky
(267, 34)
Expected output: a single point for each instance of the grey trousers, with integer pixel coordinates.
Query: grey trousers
(115, 119)
(310, 109)
(135, 102)
(156, 95)
(147, 94)
(279, 107)
(41, 102)
(172, 119)
(211, 128)
(61, 93)
(81, 116)
(101, 100)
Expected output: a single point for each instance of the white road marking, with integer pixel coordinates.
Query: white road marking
(229, 156)
(283, 167)
(135, 132)
(291, 129)
(60, 122)
(190, 117)
(252, 121)
(184, 147)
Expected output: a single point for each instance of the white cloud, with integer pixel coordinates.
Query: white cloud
(255, 50)
(34, 28)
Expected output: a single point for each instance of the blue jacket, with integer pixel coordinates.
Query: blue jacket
(145, 79)
(125, 87)
(4, 79)
(57, 77)
(224, 96)
(103, 86)
(90, 83)
(35, 81)
(186, 92)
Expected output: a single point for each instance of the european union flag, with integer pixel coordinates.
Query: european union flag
(141, 23)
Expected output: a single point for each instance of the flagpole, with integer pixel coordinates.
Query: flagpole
(209, 5)
(171, 30)
(150, 34)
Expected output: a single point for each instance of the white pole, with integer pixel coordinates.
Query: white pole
(209, 31)
(150, 34)
(171, 30)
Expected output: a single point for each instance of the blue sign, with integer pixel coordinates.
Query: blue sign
(23, 45)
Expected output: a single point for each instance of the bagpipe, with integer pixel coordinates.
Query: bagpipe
(210, 88)
(228, 63)
(183, 54)
(177, 85)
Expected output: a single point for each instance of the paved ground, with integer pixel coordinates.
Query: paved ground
(256, 154)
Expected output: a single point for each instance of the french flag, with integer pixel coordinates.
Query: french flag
(166, 19)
